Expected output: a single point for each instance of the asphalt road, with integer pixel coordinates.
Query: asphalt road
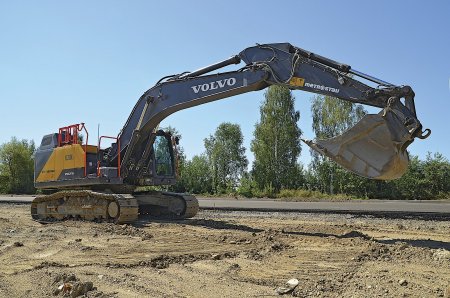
(441, 208)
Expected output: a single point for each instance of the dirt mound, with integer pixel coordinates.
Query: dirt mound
(354, 234)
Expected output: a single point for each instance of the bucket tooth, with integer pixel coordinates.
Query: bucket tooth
(367, 149)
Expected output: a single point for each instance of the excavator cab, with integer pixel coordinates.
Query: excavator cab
(156, 165)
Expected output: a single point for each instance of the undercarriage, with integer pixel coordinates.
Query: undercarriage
(118, 208)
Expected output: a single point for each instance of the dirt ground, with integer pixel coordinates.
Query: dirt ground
(225, 254)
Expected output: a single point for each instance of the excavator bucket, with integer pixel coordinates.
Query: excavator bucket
(372, 148)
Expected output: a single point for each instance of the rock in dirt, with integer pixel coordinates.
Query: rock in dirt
(81, 288)
(146, 237)
(64, 289)
(65, 278)
(216, 256)
(74, 290)
(255, 255)
(85, 248)
(403, 282)
(288, 287)
(71, 285)
(278, 246)
(18, 244)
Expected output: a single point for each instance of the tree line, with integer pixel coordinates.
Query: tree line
(223, 167)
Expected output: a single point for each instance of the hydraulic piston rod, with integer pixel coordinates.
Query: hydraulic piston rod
(370, 78)
(232, 60)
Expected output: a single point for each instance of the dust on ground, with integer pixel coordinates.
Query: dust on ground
(224, 254)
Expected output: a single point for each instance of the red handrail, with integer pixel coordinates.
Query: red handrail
(68, 135)
(85, 147)
(118, 156)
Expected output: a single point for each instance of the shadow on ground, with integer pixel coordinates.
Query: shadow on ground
(207, 223)
(434, 244)
(423, 243)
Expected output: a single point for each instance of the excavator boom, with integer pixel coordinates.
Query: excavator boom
(374, 148)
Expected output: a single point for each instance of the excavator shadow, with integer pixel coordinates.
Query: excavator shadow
(425, 216)
(422, 243)
(220, 225)
(206, 223)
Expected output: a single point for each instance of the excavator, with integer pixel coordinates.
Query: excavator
(82, 181)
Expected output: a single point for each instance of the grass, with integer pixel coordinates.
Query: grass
(312, 195)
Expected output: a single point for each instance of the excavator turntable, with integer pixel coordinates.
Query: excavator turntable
(83, 181)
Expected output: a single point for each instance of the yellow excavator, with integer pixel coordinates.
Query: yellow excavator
(83, 181)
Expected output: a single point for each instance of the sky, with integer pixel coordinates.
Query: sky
(66, 62)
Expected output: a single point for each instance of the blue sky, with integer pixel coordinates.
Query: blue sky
(65, 62)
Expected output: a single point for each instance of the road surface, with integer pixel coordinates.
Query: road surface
(353, 205)
(441, 208)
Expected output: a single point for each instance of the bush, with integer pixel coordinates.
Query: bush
(298, 194)
(247, 187)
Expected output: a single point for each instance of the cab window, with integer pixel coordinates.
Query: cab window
(163, 157)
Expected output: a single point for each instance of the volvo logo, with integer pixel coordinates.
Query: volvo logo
(214, 85)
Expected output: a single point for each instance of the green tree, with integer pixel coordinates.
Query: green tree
(276, 143)
(426, 179)
(247, 186)
(412, 185)
(437, 173)
(196, 175)
(332, 117)
(16, 166)
(226, 156)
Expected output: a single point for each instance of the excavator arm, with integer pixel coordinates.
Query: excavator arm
(375, 147)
